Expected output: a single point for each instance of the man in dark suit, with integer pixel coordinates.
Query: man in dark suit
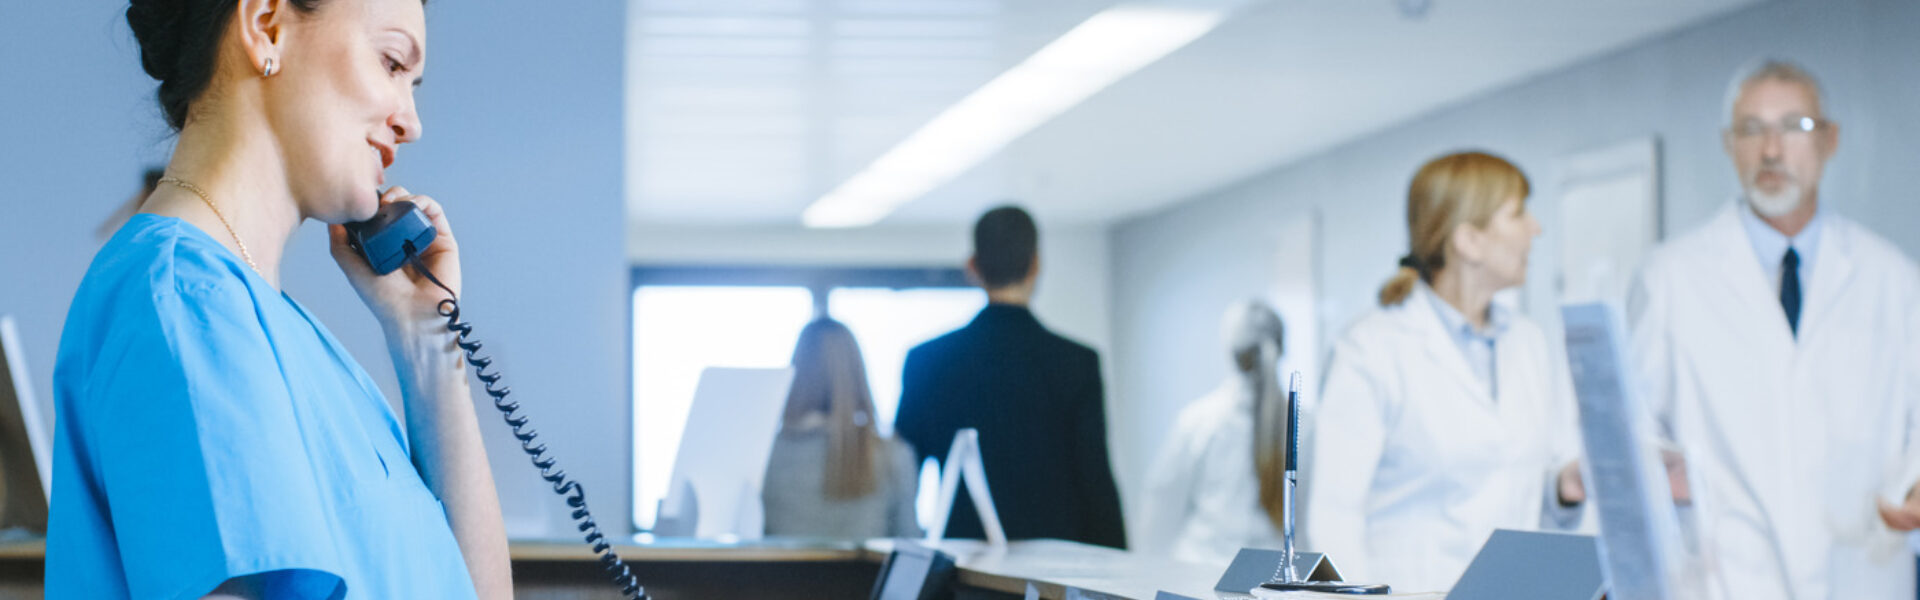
(1036, 398)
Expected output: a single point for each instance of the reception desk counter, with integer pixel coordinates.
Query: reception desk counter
(676, 569)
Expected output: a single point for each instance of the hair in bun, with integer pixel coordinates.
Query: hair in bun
(179, 42)
(180, 46)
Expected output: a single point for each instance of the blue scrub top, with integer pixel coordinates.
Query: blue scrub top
(208, 427)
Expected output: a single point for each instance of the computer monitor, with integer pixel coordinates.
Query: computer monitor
(1535, 565)
(714, 490)
(26, 451)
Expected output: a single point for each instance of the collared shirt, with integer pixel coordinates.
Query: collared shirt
(1771, 246)
(1476, 344)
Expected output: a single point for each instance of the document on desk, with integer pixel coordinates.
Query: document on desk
(1640, 537)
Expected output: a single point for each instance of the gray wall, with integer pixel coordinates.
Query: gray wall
(1176, 270)
(522, 112)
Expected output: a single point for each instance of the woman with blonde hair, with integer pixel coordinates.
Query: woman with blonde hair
(1217, 486)
(1443, 417)
(831, 474)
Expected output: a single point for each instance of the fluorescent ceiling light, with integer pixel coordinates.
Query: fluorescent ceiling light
(1095, 54)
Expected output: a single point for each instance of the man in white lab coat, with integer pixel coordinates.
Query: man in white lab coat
(1778, 344)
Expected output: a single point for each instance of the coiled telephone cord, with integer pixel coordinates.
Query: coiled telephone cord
(575, 494)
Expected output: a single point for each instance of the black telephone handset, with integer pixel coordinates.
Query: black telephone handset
(395, 236)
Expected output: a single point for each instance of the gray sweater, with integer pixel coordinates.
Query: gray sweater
(797, 505)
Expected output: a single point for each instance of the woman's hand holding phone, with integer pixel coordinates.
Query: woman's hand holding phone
(404, 300)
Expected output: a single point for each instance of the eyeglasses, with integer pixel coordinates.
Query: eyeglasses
(1790, 128)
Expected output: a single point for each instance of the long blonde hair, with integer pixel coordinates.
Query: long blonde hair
(1254, 338)
(830, 378)
(1466, 188)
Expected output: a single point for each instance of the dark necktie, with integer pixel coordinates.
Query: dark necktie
(1790, 289)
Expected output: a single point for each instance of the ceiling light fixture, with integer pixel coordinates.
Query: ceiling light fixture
(1100, 51)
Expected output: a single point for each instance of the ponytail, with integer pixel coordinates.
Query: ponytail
(1256, 339)
(1401, 285)
(1398, 288)
(1270, 433)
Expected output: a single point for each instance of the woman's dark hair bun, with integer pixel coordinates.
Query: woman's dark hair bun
(179, 42)
(153, 24)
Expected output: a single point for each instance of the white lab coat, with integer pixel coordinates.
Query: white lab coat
(1788, 441)
(1414, 463)
(1203, 497)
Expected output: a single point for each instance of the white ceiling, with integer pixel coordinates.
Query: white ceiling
(743, 112)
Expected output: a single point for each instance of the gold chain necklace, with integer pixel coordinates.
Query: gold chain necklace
(244, 254)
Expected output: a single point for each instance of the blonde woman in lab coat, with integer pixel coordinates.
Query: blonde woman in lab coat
(1443, 417)
(1216, 487)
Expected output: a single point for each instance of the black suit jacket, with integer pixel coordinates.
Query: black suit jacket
(1038, 402)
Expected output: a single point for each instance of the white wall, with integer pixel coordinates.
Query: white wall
(1179, 267)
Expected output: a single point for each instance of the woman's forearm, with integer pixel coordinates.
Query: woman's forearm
(448, 452)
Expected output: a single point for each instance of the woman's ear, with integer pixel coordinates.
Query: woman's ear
(1465, 245)
(260, 25)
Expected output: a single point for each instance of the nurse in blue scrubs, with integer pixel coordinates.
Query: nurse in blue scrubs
(213, 440)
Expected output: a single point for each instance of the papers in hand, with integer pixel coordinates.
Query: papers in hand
(1640, 534)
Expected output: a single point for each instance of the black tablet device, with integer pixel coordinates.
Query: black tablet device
(914, 572)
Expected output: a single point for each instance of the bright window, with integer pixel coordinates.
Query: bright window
(687, 319)
(890, 322)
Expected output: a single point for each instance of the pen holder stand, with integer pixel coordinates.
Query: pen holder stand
(1314, 572)
(1252, 568)
(1303, 571)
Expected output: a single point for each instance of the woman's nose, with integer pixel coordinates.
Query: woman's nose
(405, 122)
